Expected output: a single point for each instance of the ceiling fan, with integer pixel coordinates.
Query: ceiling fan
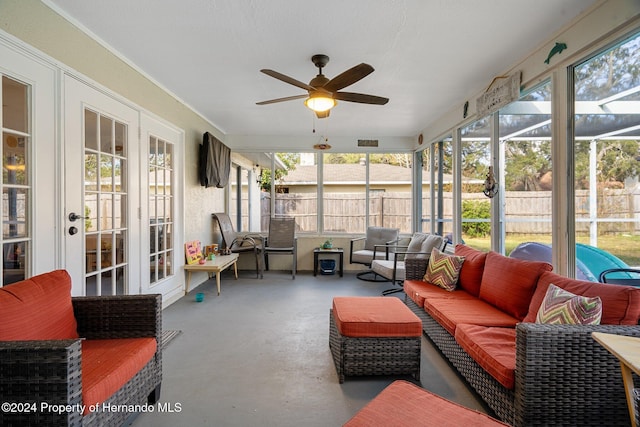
(323, 93)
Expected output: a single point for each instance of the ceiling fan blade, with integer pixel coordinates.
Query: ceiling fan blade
(360, 97)
(287, 79)
(288, 98)
(349, 77)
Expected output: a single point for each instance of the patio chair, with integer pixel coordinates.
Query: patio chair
(240, 244)
(282, 241)
(621, 276)
(376, 244)
(393, 270)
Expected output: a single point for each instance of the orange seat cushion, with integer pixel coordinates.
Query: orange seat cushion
(472, 268)
(38, 308)
(493, 348)
(620, 304)
(450, 312)
(108, 364)
(418, 290)
(509, 283)
(375, 317)
(403, 404)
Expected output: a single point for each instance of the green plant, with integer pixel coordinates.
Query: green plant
(476, 209)
(328, 243)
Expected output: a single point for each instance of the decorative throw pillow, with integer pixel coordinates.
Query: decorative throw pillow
(443, 270)
(561, 307)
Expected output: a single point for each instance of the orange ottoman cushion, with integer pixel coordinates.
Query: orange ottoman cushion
(375, 317)
(108, 364)
(403, 404)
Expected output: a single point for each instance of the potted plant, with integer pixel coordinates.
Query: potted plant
(328, 244)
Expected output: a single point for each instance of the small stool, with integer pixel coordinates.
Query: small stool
(374, 336)
(403, 404)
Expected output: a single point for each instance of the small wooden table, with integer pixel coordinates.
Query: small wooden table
(218, 265)
(627, 350)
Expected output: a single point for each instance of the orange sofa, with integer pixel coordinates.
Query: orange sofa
(76, 361)
(528, 373)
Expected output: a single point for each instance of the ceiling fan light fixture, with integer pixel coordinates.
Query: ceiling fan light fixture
(320, 102)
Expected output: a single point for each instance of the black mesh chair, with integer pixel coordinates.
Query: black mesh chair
(282, 241)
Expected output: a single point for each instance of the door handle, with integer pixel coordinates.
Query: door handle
(73, 216)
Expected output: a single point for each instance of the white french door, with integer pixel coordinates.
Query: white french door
(102, 192)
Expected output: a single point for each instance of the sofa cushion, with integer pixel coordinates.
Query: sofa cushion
(403, 404)
(38, 308)
(375, 317)
(108, 364)
(418, 290)
(620, 304)
(560, 307)
(443, 269)
(451, 312)
(509, 283)
(494, 349)
(423, 243)
(471, 272)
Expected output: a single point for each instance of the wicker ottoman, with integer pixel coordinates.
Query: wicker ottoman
(403, 404)
(374, 336)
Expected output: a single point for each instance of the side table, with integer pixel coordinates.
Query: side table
(627, 351)
(333, 251)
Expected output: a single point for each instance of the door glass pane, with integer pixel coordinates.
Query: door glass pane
(16, 182)
(606, 153)
(160, 209)
(105, 205)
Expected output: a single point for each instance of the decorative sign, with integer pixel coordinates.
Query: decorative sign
(193, 252)
(499, 96)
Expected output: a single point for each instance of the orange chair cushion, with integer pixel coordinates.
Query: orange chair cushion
(375, 317)
(620, 304)
(403, 404)
(471, 273)
(418, 290)
(450, 312)
(509, 283)
(108, 364)
(38, 308)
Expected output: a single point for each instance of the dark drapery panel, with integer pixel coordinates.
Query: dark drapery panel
(214, 162)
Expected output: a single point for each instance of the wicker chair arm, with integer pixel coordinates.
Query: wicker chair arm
(36, 372)
(415, 268)
(560, 367)
(122, 316)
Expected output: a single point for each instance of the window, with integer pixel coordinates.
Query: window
(525, 142)
(607, 157)
(16, 184)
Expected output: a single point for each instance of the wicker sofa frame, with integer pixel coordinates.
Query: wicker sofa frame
(356, 356)
(50, 371)
(562, 376)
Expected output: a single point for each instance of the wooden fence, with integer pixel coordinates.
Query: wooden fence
(526, 212)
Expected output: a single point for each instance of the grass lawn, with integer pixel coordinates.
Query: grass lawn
(626, 247)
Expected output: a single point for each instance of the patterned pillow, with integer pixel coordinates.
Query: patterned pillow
(443, 270)
(561, 307)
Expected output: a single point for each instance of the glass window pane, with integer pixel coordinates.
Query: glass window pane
(344, 197)
(15, 164)
(15, 105)
(106, 135)
(296, 189)
(14, 212)
(443, 186)
(90, 130)
(390, 198)
(606, 153)
(14, 256)
(120, 139)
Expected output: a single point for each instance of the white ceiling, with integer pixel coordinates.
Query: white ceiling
(429, 55)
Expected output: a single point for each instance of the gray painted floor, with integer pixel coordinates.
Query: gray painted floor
(258, 355)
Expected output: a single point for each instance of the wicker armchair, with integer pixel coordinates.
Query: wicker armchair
(562, 376)
(50, 372)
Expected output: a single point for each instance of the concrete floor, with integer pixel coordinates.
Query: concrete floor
(258, 355)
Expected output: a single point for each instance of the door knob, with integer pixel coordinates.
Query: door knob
(73, 230)
(74, 216)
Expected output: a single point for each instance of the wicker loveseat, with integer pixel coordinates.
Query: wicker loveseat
(76, 361)
(529, 374)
